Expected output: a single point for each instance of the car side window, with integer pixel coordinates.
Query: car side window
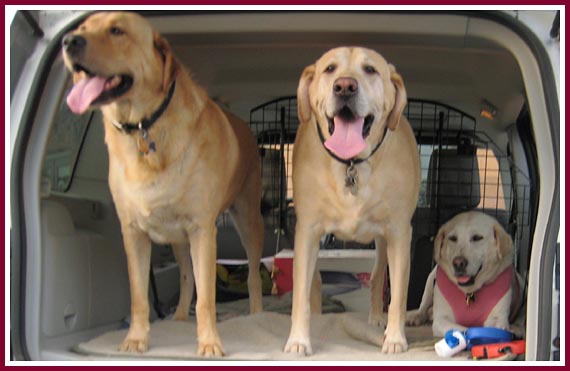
(63, 147)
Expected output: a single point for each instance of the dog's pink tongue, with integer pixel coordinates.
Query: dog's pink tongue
(84, 92)
(463, 279)
(346, 140)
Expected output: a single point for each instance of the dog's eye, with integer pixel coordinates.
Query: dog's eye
(453, 238)
(370, 70)
(330, 68)
(116, 31)
(477, 237)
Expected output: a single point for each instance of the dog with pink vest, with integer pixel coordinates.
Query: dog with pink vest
(474, 283)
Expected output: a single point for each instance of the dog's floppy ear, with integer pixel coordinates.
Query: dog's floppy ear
(400, 100)
(503, 241)
(303, 99)
(170, 64)
(438, 243)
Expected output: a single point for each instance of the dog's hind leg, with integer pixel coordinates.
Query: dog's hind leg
(421, 315)
(182, 255)
(377, 280)
(246, 214)
(317, 293)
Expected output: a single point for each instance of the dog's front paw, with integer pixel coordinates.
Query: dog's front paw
(136, 340)
(210, 349)
(416, 318)
(299, 347)
(134, 345)
(394, 344)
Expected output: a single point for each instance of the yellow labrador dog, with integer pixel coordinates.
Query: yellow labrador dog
(176, 161)
(356, 173)
(474, 283)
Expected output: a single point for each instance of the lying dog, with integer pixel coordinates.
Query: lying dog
(176, 161)
(356, 173)
(474, 283)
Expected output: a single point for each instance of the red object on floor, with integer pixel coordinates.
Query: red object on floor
(486, 351)
(364, 278)
(283, 273)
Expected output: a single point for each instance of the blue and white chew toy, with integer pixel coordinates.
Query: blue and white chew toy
(455, 340)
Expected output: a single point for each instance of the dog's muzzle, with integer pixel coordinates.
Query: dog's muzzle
(74, 45)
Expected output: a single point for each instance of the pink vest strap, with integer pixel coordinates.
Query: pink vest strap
(484, 300)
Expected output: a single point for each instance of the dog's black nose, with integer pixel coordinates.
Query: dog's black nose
(345, 87)
(460, 263)
(73, 44)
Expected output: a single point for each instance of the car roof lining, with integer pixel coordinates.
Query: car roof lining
(246, 59)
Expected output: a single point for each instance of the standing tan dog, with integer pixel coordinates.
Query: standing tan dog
(474, 283)
(356, 173)
(176, 161)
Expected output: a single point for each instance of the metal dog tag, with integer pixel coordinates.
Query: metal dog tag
(469, 298)
(351, 177)
(144, 143)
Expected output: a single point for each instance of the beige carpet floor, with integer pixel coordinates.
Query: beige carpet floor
(261, 337)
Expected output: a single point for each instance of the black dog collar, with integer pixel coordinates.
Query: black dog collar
(145, 124)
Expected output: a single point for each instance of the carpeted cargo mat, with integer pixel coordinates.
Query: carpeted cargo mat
(335, 336)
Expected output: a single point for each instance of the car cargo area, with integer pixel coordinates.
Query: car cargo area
(473, 106)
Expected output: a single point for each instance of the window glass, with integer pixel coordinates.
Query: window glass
(490, 177)
(63, 147)
(425, 151)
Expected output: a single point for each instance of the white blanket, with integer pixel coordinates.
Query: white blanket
(335, 337)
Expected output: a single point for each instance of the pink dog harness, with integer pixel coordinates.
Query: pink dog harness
(471, 310)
